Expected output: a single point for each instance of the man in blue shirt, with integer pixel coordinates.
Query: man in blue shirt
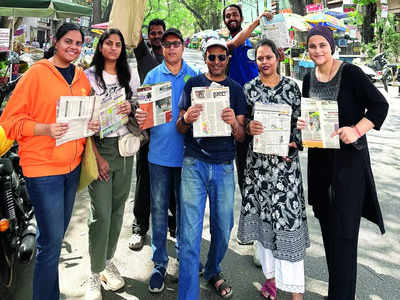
(242, 65)
(165, 152)
(208, 170)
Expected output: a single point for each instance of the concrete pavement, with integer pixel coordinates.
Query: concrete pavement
(378, 259)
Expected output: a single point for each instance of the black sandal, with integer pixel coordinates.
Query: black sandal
(224, 286)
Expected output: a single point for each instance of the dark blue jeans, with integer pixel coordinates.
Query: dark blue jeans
(163, 180)
(199, 180)
(53, 199)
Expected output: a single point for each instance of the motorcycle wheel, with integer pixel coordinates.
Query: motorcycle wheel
(7, 267)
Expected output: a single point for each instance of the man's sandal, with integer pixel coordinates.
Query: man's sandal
(268, 290)
(224, 286)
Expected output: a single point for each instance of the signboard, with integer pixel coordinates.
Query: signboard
(312, 8)
(349, 8)
(4, 39)
(384, 13)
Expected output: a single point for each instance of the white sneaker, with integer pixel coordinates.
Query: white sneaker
(256, 259)
(93, 288)
(111, 278)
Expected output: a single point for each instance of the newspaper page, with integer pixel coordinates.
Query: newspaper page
(77, 111)
(213, 99)
(276, 119)
(322, 118)
(277, 31)
(110, 118)
(156, 99)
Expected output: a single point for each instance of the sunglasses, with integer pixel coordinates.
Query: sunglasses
(213, 57)
(175, 44)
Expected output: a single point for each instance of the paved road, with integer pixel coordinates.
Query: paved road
(378, 260)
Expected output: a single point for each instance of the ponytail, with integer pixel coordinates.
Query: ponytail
(49, 53)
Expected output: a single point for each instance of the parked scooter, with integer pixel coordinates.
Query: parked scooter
(17, 229)
(391, 75)
(378, 62)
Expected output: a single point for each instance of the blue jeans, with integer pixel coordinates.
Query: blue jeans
(53, 199)
(200, 179)
(162, 180)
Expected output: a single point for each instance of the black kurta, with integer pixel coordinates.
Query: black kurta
(344, 176)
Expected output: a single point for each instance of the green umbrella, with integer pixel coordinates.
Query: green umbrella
(43, 9)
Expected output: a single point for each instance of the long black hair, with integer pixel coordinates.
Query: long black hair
(61, 31)
(123, 70)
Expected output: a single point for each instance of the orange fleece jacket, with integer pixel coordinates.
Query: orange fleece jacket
(34, 100)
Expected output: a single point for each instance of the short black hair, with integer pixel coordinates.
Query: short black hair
(233, 5)
(156, 22)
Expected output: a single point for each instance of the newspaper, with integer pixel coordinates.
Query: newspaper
(77, 111)
(277, 31)
(322, 118)
(276, 119)
(213, 99)
(110, 118)
(156, 99)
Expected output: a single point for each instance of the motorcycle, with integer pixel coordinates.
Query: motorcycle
(17, 228)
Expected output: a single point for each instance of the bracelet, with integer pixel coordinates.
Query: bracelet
(357, 131)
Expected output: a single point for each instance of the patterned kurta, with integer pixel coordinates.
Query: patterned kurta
(273, 209)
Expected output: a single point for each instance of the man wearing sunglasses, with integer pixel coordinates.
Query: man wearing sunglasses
(165, 152)
(147, 57)
(208, 170)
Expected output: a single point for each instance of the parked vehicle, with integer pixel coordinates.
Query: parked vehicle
(17, 228)
(378, 62)
(391, 76)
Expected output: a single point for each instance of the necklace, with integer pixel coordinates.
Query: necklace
(330, 72)
(271, 82)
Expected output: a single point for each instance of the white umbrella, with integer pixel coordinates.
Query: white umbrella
(127, 16)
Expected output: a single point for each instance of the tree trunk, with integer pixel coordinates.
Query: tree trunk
(107, 12)
(96, 11)
(298, 7)
(200, 20)
(369, 18)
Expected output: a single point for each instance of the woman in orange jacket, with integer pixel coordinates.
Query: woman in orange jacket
(52, 173)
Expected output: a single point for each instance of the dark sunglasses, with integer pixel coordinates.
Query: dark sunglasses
(212, 57)
(175, 44)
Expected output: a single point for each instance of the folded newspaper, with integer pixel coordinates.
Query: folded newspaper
(156, 99)
(276, 119)
(213, 99)
(322, 118)
(110, 118)
(77, 111)
(277, 31)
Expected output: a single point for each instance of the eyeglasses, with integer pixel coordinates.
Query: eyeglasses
(212, 57)
(175, 44)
